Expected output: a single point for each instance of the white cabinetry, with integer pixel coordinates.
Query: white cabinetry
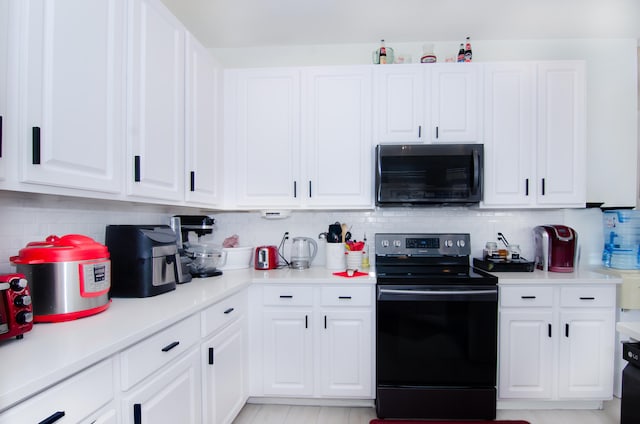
(434, 103)
(224, 359)
(313, 341)
(87, 397)
(71, 125)
(203, 160)
(155, 102)
(556, 343)
(4, 84)
(534, 135)
(296, 134)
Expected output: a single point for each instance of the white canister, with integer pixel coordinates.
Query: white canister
(335, 256)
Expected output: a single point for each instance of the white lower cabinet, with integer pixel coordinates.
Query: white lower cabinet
(87, 397)
(173, 395)
(312, 341)
(556, 342)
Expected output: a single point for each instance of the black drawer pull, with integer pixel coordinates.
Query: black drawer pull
(587, 298)
(210, 356)
(136, 168)
(137, 413)
(52, 418)
(35, 142)
(344, 297)
(170, 346)
(228, 311)
(286, 296)
(528, 297)
(549, 329)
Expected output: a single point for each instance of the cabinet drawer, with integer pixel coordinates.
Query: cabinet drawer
(288, 295)
(588, 296)
(77, 398)
(346, 296)
(150, 354)
(526, 296)
(222, 313)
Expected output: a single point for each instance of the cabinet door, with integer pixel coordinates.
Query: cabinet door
(171, 396)
(455, 107)
(265, 120)
(71, 129)
(586, 354)
(4, 71)
(399, 103)
(561, 142)
(526, 354)
(155, 102)
(509, 106)
(346, 353)
(288, 359)
(203, 157)
(337, 137)
(224, 375)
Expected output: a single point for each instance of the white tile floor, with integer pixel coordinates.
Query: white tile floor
(284, 414)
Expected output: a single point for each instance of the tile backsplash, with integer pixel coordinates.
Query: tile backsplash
(31, 217)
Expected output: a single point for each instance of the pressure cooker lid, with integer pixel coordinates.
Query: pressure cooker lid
(71, 247)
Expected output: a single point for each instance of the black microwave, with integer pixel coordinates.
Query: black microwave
(428, 174)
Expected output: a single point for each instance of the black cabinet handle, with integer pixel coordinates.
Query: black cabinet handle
(286, 296)
(309, 188)
(228, 311)
(136, 168)
(193, 180)
(52, 418)
(526, 186)
(419, 131)
(210, 356)
(437, 132)
(549, 329)
(137, 413)
(543, 186)
(587, 298)
(170, 346)
(325, 321)
(528, 297)
(306, 321)
(566, 330)
(344, 297)
(295, 189)
(35, 141)
(0, 136)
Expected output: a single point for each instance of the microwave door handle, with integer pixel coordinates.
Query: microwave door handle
(476, 171)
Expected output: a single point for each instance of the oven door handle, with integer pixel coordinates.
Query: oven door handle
(437, 292)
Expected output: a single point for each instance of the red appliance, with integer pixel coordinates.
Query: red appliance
(69, 277)
(556, 248)
(16, 312)
(266, 257)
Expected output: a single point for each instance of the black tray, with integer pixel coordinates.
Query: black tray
(502, 265)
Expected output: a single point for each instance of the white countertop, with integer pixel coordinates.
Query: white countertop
(595, 275)
(52, 352)
(630, 329)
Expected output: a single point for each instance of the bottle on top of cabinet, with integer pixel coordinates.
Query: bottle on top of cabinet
(383, 53)
(467, 50)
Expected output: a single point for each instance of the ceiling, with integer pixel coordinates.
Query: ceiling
(251, 23)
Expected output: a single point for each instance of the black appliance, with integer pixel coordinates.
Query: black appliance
(436, 329)
(629, 406)
(428, 174)
(144, 260)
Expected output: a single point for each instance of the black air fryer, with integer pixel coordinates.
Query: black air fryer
(144, 260)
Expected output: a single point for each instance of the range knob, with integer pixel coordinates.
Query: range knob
(460, 243)
(448, 243)
(24, 317)
(18, 284)
(22, 300)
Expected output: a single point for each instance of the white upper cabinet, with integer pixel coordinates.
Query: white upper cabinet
(71, 125)
(336, 130)
(262, 136)
(4, 70)
(561, 134)
(203, 160)
(299, 137)
(534, 135)
(155, 102)
(435, 103)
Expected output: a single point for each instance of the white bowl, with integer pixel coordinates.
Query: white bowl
(238, 257)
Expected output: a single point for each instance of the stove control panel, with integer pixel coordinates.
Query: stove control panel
(447, 244)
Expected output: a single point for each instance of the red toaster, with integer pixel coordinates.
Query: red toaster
(16, 311)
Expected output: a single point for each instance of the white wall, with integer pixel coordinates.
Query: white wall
(612, 101)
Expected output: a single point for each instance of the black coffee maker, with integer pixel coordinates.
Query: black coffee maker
(182, 225)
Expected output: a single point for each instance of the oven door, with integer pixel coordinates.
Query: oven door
(436, 336)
